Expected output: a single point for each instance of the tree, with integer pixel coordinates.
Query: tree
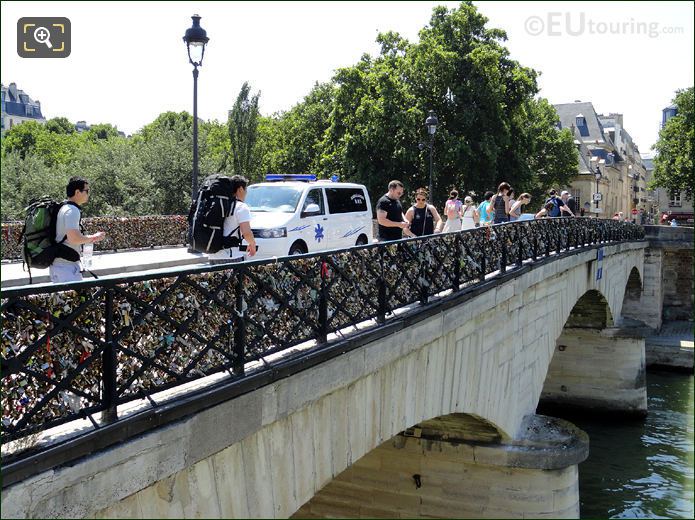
(60, 125)
(294, 141)
(164, 150)
(491, 127)
(119, 186)
(673, 163)
(545, 155)
(242, 125)
(25, 178)
(22, 138)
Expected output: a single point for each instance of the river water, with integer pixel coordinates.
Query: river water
(642, 468)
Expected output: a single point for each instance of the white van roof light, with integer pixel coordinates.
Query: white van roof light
(305, 177)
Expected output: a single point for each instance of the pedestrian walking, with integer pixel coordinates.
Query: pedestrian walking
(485, 210)
(236, 227)
(69, 231)
(452, 210)
(500, 204)
(517, 207)
(469, 214)
(567, 210)
(423, 217)
(570, 203)
(389, 214)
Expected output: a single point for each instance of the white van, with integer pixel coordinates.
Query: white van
(296, 214)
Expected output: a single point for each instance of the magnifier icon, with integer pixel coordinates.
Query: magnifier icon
(43, 35)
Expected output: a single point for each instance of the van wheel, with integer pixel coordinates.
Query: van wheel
(361, 240)
(298, 248)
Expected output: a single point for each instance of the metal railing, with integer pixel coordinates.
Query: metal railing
(72, 350)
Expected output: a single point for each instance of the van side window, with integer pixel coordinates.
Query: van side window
(314, 197)
(346, 200)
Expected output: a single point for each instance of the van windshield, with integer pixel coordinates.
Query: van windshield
(283, 199)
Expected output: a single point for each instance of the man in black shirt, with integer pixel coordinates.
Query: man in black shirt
(389, 214)
(570, 202)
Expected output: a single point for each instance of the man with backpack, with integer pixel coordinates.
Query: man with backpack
(236, 225)
(559, 207)
(69, 233)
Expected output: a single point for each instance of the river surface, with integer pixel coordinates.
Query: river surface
(642, 468)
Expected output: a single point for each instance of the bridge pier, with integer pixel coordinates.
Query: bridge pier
(458, 467)
(601, 370)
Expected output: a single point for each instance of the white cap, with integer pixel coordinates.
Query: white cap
(564, 193)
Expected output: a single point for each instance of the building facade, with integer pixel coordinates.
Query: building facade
(18, 107)
(602, 146)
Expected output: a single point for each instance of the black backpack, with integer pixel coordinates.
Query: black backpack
(215, 202)
(38, 235)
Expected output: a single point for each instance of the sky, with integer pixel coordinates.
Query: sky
(128, 61)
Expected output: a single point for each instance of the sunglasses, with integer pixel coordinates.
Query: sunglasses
(85, 191)
(420, 200)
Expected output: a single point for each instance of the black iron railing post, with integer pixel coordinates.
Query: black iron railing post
(381, 312)
(108, 365)
(534, 243)
(503, 253)
(422, 280)
(323, 303)
(520, 248)
(239, 325)
(482, 265)
(458, 256)
(558, 248)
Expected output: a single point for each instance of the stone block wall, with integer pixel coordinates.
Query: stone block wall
(597, 370)
(678, 285)
(437, 476)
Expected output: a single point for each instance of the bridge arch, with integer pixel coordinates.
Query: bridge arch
(591, 311)
(632, 300)
(596, 362)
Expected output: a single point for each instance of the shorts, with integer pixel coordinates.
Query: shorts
(65, 272)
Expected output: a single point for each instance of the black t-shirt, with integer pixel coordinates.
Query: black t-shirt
(394, 213)
(572, 205)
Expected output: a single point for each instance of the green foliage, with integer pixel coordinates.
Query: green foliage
(673, 163)
(25, 178)
(364, 125)
(60, 125)
(242, 126)
(22, 138)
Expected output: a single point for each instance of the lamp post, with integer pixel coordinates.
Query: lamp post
(431, 124)
(195, 38)
(598, 176)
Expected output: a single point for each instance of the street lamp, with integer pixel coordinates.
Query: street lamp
(597, 175)
(431, 124)
(195, 38)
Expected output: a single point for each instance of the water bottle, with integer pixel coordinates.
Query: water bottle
(87, 250)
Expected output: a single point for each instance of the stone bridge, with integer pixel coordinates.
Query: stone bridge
(433, 414)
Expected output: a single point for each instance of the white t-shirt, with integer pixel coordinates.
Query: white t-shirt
(68, 218)
(242, 214)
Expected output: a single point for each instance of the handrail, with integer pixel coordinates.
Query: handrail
(75, 349)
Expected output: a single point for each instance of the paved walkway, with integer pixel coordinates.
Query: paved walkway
(674, 333)
(672, 347)
(13, 274)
